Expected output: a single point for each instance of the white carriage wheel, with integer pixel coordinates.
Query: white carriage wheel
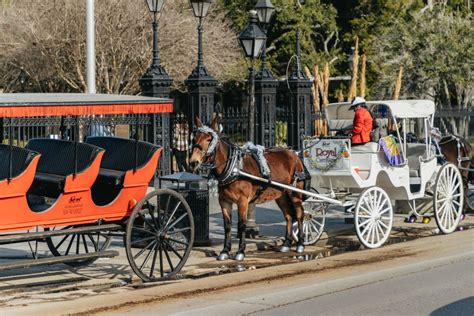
(373, 217)
(314, 219)
(448, 198)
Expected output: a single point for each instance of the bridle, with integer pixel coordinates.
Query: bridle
(208, 154)
(234, 155)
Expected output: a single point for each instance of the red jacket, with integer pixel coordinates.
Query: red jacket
(362, 126)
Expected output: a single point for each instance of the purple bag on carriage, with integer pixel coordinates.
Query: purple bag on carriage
(391, 150)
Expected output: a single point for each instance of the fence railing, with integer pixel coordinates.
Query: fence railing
(20, 130)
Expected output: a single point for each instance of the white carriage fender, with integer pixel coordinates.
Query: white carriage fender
(287, 187)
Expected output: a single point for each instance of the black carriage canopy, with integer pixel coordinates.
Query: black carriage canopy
(76, 104)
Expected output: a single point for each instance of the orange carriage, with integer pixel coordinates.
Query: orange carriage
(75, 194)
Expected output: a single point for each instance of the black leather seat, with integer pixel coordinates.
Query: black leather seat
(119, 157)
(57, 162)
(21, 159)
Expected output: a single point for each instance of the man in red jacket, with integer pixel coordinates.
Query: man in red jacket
(362, 122)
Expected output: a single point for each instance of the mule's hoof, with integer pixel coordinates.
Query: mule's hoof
(284, 249)
(239, 257)
(300, 249)
(223, 256)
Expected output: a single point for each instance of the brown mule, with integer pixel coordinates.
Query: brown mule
(454, 148)
(222, 158)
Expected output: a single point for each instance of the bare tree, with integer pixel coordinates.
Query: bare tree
(49, 44)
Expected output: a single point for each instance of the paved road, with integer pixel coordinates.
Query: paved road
(432, 285)
(438, 287)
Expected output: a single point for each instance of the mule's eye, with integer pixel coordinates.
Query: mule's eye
(209, 141)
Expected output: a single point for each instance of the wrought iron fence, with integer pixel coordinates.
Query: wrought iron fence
(20, 130)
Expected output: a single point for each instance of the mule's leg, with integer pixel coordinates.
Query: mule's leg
(284, 204)
(296, 199)
(242, 208)
(226, 208)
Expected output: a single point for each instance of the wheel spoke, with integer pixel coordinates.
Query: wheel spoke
(178, 241)
(142, 230)
(168, 258)
(85, 243)
(147, 257)
(379, 201)
(365, 222)
(70, 244)
(383, 224)
(142, 240)
(144, 249)
(365, 229)
(173, 250)
(456, 187)
(172, 214)
(315, 221)
(176, 221)
(61, 242)
(377, 232)
(179, 230)
(362, 207)
(315, 228)
(373, 233)
(145, 221)
(96, 246)
(385, 210)
(161, 260)
(153, 262)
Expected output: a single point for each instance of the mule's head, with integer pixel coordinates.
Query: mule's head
(205, 143)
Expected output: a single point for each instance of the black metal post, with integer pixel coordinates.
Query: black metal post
(252, 229)
(156, 56)
(265, 95)
(156, 82)
(251, 124)
(201, 87)
(300, 103)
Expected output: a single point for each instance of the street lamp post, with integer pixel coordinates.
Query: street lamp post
(252, 39)
(265, 84)
(156, 82)
(201, 85)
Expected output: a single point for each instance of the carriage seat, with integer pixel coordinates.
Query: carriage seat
(338, 125)
(414, 152)
(57, 162)
(119, 157)
(370, 147)
(21, 159)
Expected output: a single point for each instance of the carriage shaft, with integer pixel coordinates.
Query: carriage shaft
(289, 187)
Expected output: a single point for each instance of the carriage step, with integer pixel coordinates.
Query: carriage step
(27, 263)
(14, 238)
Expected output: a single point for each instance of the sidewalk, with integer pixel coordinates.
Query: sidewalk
(272, 226)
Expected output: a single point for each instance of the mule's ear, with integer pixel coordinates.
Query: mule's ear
(197, 121)
(214, 122)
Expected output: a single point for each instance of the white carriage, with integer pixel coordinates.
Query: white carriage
(361, 180)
